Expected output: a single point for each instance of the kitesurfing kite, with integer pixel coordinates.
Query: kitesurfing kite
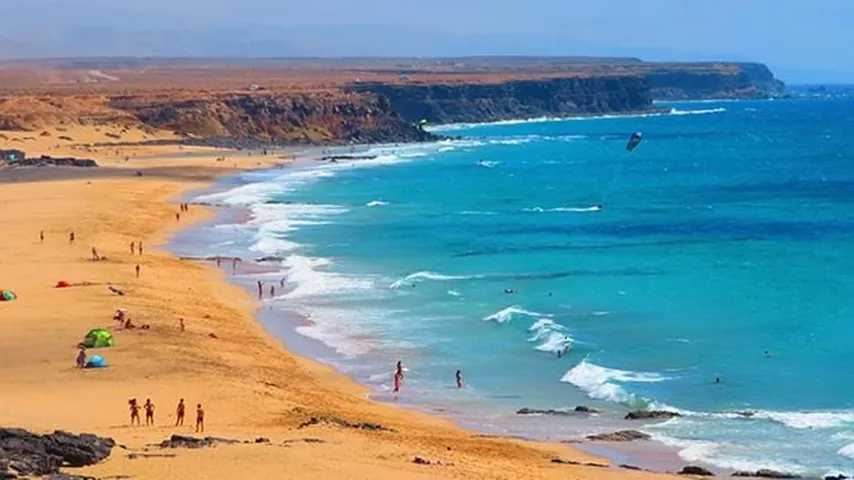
(634, 140)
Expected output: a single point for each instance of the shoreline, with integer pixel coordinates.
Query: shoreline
(283, 324)
(249, 383)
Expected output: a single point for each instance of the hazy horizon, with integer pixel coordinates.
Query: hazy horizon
(800, 43)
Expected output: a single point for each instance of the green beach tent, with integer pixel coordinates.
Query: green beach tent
(98, 338)
(7, 296)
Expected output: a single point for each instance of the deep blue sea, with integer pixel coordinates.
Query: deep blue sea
(710, 271)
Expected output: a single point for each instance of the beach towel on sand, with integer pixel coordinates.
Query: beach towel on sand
(7, 296)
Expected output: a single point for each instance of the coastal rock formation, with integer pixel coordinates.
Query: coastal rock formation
(711, 80)
(650, 415)
(298, 118)
(698, 471)
(47, 161)
(537, 411)
(483, 102)
(765, 473)
(27, 454)
(619, 436)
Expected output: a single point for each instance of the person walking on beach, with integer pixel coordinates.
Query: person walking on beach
(234, 264)
(71, 238)
(41, 236)
(200, 419)
(179, 413)
(149, 412)
(140, 247)
(272, 291)
(132, 248)
(134, 411)
(137, 270)
(260, 290)
(459, 377)
(81, 357)
(177, 217)
(181, 323)
(282, 282)
(217, 261)
(95, 255)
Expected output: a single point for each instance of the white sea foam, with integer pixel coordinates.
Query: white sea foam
(603, 383)
(488, 163)
(807, 420)
(311, 280)
(551, 336)
(505, 315)
(416, 277)
(454, 293)
(592, 208)
(847, 451)
(720, 454)
(476, 212)
(272, 223)
(672, 111)
(376, 203)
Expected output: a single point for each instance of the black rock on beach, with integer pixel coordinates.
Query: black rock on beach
(25, 454)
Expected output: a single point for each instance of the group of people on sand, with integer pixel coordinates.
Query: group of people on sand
(180, 412)
(397, 379)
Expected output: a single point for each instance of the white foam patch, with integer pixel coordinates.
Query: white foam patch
(507, 314)
(551, 337)
(312, 280)
(672, 111)
(603, 383)
(274, 221)
(589, 209)
(376, 203)
(805, 420)
(414, 278)
(721, 455)
(847, 451)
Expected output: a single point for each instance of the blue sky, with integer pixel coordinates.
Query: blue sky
(800, 40)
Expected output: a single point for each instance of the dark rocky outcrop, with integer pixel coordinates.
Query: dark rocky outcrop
(619, 436)
(585, 409)
(340, 422)
(537, 411)
(695, 470)
(294, 118)
(711, 80)
(765, 473)
(650, 415)
(27, 454)
(48, 161)
(483, 102)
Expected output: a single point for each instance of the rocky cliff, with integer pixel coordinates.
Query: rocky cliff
(711, 80)
(463, 102)
(277, 117)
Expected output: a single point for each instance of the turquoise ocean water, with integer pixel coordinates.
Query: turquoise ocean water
(721, 248)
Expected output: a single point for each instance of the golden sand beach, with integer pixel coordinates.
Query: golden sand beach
(249, 385)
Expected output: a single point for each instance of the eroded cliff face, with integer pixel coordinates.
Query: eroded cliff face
(705, 81)
(306, 118)
(450, 103)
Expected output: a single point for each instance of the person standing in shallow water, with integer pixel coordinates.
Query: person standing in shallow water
(179, 413)
(260, 290)
(459, 377)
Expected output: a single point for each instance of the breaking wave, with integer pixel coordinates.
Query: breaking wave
(505, 315)
(604, 383)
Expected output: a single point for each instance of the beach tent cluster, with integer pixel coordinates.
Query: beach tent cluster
(97, 338)
(7, 296)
